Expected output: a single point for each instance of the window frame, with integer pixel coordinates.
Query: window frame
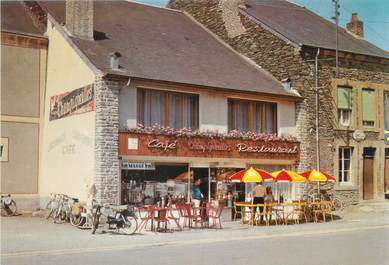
(166, 106)
(251, 114)
(340, 111)
(341, 169)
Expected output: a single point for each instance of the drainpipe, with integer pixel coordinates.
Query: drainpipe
(317, 109)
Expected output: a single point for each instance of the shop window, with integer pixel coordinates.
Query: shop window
(386, 110)
(368, 107)
(344, 106)
(176, 110)
(245, 115)
(345, 162)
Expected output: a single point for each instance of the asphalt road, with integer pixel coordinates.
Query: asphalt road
(364, 245)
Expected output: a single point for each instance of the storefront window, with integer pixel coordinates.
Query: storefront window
(245, 115)
(176, 110)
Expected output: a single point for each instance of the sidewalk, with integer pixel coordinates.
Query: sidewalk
(36, 236)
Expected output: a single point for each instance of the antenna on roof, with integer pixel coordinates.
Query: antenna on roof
(336, 18)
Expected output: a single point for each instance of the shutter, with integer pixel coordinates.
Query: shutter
(368, 104)
(386, 111)
(344, 98)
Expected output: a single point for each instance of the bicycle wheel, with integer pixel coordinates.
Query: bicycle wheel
(75, 220)
(130, 225)
(12, 208)
(95, 221)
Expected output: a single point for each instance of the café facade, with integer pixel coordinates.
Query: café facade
(143, 112)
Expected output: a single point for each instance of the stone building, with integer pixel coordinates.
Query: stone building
(284, 39)
(114, 64)
(23, 77)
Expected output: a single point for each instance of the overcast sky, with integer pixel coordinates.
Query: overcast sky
(374, 14)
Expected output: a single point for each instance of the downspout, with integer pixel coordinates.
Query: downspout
(317, 109)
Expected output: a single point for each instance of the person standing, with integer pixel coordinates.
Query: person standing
(258, 194)
(196, 195)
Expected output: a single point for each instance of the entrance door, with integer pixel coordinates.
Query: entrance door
(386, 179)
(368, 173)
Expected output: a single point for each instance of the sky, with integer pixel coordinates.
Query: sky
(374, 14)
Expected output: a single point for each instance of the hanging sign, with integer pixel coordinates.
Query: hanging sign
(138, 166)
(386, 138)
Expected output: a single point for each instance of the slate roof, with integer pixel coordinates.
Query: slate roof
(304, 27)
(167, 45)
(14, 18)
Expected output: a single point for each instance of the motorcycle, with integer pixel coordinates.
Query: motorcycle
(120, 218)
(8, 205)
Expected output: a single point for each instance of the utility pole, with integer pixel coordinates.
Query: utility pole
(336, 18)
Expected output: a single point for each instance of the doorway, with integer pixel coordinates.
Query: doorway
(368, 173)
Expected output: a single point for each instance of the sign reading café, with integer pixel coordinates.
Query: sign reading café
(197, 146)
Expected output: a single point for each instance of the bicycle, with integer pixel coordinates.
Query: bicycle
(8, 205)
(122, 218)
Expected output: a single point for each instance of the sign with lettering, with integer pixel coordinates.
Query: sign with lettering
(163, 145)
(78, 101)
(262, 148)
(178, 146)
(138, 166)
(208, 146)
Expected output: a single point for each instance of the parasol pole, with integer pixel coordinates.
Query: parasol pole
(209, 184)
(188, 199)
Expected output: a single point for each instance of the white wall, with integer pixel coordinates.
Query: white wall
(213, 112)
(213, 108)
(68, 143)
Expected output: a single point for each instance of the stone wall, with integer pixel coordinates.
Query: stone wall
(284, 59)
(107, 171)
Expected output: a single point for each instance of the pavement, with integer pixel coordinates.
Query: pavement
(359, 233)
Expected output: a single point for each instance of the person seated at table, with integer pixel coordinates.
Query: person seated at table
(258, 193)
(269, 198)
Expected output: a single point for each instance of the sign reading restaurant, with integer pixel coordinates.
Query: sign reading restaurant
(152, 145)
(78, 101)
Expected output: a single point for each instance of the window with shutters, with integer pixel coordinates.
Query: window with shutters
(368, 108)
(344, 106)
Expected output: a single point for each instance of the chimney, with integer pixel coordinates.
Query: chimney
(79, 18)
(114, 60)
(355, 26)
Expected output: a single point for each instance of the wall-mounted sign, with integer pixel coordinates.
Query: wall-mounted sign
(138, 166)
(78, 101)
(164, 145)
(132, 144)
(359, 135)
(386, 138)
(176, 146)
(4, 149)
(245, 148)
(208, 146)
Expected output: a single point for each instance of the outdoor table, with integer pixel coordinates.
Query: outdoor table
(161, 217)
(243, 205)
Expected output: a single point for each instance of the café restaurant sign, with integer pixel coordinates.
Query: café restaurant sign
(78, 101)
(155, 145)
